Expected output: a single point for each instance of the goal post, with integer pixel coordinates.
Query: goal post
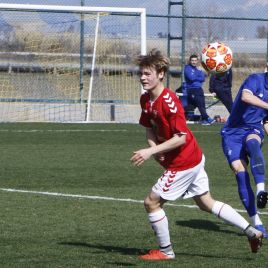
(53, 70)
(92, 68)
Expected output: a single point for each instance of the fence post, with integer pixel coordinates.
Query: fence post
(82, 45)
(112, 111)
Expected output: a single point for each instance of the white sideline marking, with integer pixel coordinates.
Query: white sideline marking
(88, 130)
(62, 130)
(101, 198)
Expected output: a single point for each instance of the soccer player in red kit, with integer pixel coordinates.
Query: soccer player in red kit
(173, 145)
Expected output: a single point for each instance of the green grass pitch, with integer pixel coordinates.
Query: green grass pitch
(80, 227)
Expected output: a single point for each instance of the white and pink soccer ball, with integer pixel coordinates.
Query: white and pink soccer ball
(216, 57)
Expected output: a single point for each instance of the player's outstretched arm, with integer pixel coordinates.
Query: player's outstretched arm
(249, 98)
(140, 156)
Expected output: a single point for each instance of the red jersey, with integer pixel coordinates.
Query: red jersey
(166, 117)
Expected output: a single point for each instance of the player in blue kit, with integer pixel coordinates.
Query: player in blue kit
(242, 138)
(220, 85)
(194, 79)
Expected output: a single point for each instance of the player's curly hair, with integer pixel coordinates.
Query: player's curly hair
(154, 59)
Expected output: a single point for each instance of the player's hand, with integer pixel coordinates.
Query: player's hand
(214, 94)
(140, 157)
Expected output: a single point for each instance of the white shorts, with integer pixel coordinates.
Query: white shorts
(184, 184)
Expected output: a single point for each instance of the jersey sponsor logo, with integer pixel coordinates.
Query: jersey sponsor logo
(170, 103)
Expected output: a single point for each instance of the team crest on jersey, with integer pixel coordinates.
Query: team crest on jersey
(170, 102)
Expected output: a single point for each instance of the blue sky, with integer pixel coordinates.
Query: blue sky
(244, 8)
(230, 8)
(251, 8)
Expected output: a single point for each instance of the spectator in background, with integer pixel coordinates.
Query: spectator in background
(220, 85)
(194, 78)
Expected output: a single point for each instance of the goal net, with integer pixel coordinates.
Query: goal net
(69, 63)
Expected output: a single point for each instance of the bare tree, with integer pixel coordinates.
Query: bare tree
(200, 31)
(262, 32)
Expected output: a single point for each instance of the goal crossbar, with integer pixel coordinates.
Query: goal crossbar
(74, 9)
(82, 9)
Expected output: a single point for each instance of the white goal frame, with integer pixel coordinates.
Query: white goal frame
(85, 10)
(82, 9)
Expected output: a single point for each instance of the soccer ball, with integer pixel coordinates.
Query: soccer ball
(216, 58)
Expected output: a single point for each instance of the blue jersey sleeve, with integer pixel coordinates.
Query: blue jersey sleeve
(187, 73)
(251, 84)
(244, 114)
(192, 74)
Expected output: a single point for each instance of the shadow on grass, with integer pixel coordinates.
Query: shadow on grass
(206, 225)
(136, 252)
(214, 227)
(216, 256)
(125, 251)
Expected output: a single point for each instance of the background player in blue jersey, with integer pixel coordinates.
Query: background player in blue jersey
(194, 79)
(220, 85)
(242, 138)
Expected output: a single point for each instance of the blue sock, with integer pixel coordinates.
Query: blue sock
(246, 193)
(257, 163)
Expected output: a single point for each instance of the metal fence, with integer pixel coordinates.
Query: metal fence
(182, 27)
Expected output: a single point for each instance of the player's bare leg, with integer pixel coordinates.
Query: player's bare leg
(159, 222)
(228, 214)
